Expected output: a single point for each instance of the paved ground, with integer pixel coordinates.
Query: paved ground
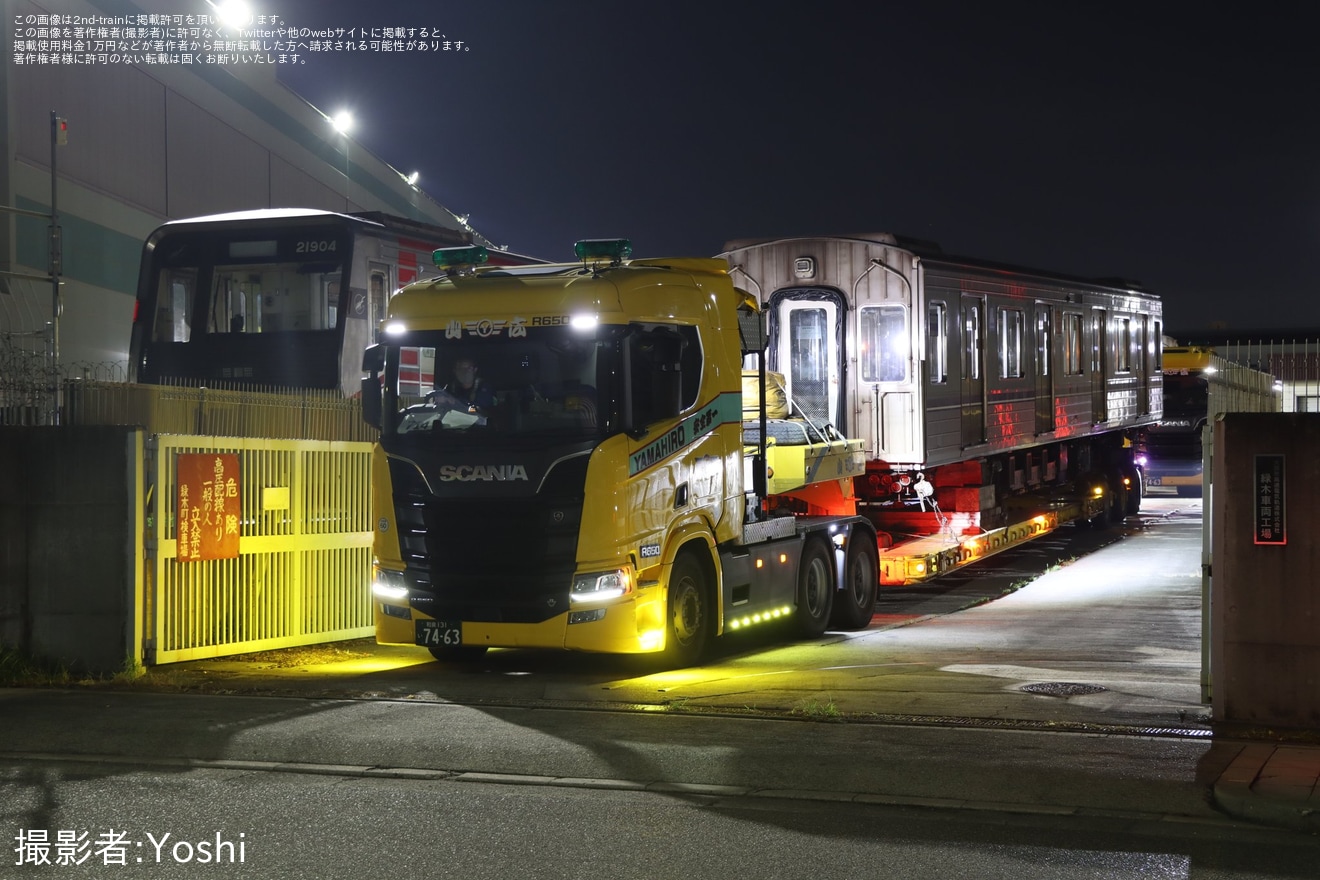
(944, 655)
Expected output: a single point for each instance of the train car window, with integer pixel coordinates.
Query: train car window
(1011, 322)
(972, 343)
(378, 297)
(809, 367)
(1123, 345)
(265, 298)
(174, 302)
(937, 342)
(1157, 344)
(1043, 341)
(883, 343)
(1072, 344)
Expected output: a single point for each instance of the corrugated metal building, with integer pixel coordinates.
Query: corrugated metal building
(148, 142)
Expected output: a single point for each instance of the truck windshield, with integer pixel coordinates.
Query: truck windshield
(541, 384)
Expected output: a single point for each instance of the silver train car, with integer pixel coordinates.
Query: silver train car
(978, 379)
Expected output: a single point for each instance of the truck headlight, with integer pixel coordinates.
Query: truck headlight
(600, 586)
(389, 586)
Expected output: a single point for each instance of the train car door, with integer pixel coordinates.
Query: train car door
(1044, 368)
(806, 325)
(1143, 366)
(1100, 361)
(973, 370)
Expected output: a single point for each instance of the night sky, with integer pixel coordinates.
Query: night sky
(1178, 147)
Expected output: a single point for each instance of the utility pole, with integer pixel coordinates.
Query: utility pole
(59, 135)
(59, 129)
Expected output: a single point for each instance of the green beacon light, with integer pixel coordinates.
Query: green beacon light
(456, 259)
(616, 250)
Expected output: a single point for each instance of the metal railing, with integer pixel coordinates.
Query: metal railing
(303, 414)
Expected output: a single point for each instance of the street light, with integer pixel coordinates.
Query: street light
(233, 13)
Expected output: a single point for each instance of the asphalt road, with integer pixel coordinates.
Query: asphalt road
(922, 747)
(356, 788)
(1101, 628)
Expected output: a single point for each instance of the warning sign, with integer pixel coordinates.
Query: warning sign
(208, 508)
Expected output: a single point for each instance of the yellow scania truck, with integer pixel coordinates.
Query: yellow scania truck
(568, 458)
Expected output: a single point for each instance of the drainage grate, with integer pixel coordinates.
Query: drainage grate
(1062, 689)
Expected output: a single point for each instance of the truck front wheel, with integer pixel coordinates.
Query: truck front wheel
(815, 589)
(690, 618)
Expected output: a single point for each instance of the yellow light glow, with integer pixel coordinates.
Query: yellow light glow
(734, 624)
(760, 563)
(783, 557)
(651, 639)
(1099, 491)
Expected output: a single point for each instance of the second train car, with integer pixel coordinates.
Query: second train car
(284, 298)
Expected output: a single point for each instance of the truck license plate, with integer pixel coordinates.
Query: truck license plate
(439, 633)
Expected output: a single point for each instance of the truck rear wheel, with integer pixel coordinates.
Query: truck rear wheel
(855, 604)
(815, 589)
(689, 619)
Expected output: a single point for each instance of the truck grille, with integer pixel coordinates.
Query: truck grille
(492, 560)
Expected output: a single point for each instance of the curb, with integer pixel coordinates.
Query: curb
(1236, 794)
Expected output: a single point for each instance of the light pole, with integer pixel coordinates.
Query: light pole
(343, 123)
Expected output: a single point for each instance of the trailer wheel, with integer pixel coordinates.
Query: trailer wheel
(815, 589)
(689, 619)
(457, 653)
(855, 604)
(1136, 491)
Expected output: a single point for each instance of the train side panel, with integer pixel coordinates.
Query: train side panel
(980, 379)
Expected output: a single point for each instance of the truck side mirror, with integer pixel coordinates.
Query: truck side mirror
(373, 364)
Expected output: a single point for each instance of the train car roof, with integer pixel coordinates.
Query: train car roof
(449, 235)
(931, 251)
(267, 214)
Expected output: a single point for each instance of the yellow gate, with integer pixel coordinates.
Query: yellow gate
(302, 574)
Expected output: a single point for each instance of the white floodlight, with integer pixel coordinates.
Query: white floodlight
(233, 13)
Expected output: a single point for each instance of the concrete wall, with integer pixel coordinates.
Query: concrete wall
(70, 544)
(1265, 599)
